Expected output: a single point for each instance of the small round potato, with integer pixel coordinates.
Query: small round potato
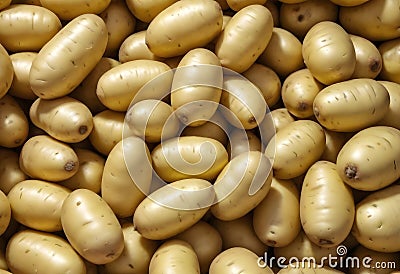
(390, 51)
(134, 48)
(6, 71)
(392, 115)
(67, 10)
(146, 10)
(10, 172)
(368, 58)
(20, 87)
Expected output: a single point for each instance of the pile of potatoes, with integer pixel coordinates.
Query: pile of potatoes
(198, 136)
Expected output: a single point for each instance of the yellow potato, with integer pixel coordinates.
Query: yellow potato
(241, 141)
(14, 125)
(368, 58)
(173, 208)
(351, 105)
(134, 48)
(65, 119)
(237, 5)
(244, 38)
(197, 87)
(146, 10)
(20, 87)
(27, 27)
(295, 148)
(85, 216)
(6, 71)
(183, 26)
(30, 251)
(174, 256)
(241, 185)
(276, 219)
(57, 162)
(37, 204)
(67, 10)
(390, 60)
(118, 86)
(368, 161)
(329, 53)
(127, 176)
(10, 172)
(391, 116)
(189, 157)
(69, 56)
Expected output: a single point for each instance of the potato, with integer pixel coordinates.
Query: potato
(72, 9)
(237, 5)
(351, 105)
(6, 71)
(10, 172)
(206, 242)
(37, 204)
(273, 122)
(183, 26)
(189, 157)
(20, 87)
(134, 47)
(30, 251)
(174, 256)
(325, 221)
(295, 148)
(368, 58)
(65, 119)
(197, 87)
(244, 103)
(375, 224)
(118, 86)
(242, 141)
(298, 93)
(276, 219)
(120, 24)
(127, 176)
(27, 27)
(14, 125)
(108, 121)
(69, 56)
(137, 253)
(333, 144)
(375, 20)
(298, 18)
(86, 91)
(146, 10)
(85, 216)
(244, 38)
(266, 80)
(391, 116)
(329, 53)
(235, 258)
(390, 58)
(368, 161)
(57, 162)
(5, 213)
(152, 120)
(90, 171)
(283, 53)
(239, 232)
(241, 185)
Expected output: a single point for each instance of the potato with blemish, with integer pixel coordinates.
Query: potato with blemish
(368, 58)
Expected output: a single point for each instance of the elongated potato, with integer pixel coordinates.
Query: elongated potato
(65, 119)
(30, 251)
(183, 26)
(241, 185)
(134, 48)
(368, 58)
(351, 105)
(6, 71)
(27, 27)
(57, 160)
(329, 53)
(20, 87)
(37, 204)
(64, 61)
(84, 216)
(10, 172)
(325, 221)
(391, 116)
(369, 160)
(14, 125)
(390, 59)
(74, 8)
(173, 208)
(197, 87)
(295, 148)
(375, 224)
(118, 86)
(276, 219)
(245, 37)
(174, 256)
(189, 157)
(127, 176)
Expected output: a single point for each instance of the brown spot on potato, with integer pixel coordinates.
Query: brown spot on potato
(83, 130)
(325, 242)
(70, 166)
(351, 171)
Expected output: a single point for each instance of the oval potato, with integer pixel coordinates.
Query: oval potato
(368, 58)
(20, 87)
(6, 71)
(134, 48)
(146, 10)
(10, 172)
(68, 10)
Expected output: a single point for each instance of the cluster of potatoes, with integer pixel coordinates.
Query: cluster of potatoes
(275, 124)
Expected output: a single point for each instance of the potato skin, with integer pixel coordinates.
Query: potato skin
(390, 59)
(20, 87)
(146, 10)
(30, 251)
(368, 58)
(5, 212)
(134, 47)
(74, 8)
(6, 71)
(369, 160)
(10, 172)
(391, 116)
(84, 216)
